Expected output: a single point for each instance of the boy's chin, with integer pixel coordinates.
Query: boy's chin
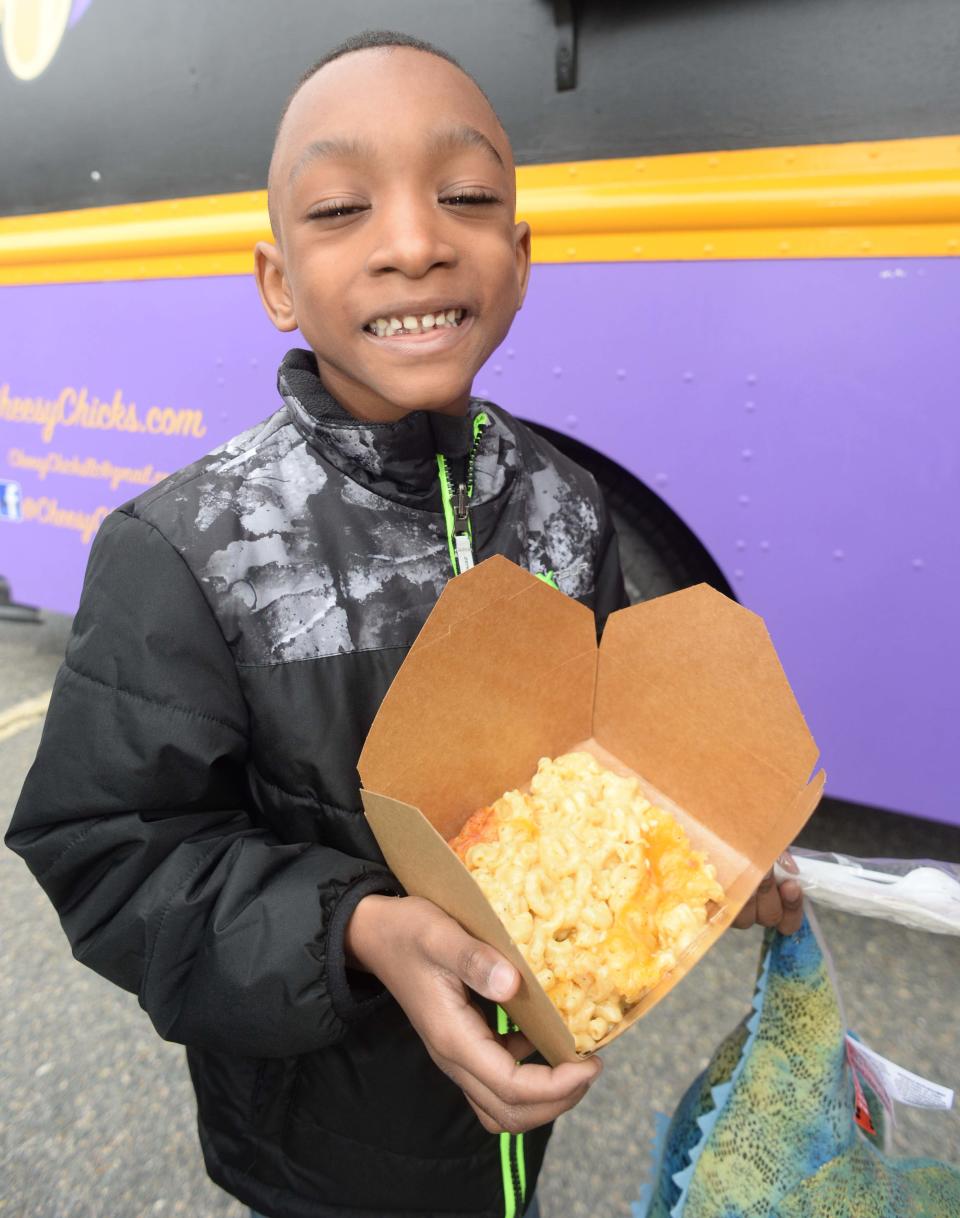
(427, 391)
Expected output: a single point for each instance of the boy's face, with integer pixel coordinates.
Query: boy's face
(392, 195)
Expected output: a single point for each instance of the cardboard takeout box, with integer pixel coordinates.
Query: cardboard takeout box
(684, 691)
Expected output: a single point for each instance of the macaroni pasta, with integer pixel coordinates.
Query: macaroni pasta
(599, 889)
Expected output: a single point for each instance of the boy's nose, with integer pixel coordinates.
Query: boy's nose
(409, 240)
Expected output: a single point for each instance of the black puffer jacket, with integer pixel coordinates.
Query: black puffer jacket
(194, 813)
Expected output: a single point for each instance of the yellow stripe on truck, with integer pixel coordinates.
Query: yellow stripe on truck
(892, 198)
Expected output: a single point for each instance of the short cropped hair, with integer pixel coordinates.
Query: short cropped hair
(368, 40)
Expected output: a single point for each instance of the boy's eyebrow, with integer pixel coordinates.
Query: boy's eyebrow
(339, 147)
(447, 139)
(442, 139)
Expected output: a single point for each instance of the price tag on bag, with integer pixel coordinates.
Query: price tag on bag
(861, 1110)
(892, 1083)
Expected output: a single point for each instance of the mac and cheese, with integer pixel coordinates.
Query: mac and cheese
(599, 889)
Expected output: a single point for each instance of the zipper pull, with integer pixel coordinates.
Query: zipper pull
(461, 529)
(460, 518)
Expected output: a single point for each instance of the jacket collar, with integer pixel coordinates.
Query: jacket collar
(397, 461)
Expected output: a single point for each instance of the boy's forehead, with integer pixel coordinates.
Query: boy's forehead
(380, 90)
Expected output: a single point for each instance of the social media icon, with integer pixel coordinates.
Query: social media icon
(11, 501)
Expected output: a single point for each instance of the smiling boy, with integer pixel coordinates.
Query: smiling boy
(392, 199)
(194, 811)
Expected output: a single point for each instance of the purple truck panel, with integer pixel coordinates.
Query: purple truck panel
(798, 416)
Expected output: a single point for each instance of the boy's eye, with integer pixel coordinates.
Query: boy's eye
(465, 197)
(334, 210)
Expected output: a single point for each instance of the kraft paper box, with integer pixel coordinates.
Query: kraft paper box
(685, 691)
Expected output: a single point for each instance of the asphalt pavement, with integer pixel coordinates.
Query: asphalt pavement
(97, 1115)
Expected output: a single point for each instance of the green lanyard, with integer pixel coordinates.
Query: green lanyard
(456, 503)
(456, 508)
(512, 1162)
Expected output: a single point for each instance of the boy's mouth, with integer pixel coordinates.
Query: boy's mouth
(406, 325)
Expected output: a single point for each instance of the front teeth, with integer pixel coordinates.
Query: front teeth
(387, 327)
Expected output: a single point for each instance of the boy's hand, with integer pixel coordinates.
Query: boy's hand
(428, 962)
(774, 905)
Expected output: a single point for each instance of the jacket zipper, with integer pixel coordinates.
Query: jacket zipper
(512, 1163)
(456, 502)
(456, 514)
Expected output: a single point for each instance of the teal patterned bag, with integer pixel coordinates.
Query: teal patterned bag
(768, 1130)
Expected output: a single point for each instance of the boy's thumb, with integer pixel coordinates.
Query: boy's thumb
(486, 971)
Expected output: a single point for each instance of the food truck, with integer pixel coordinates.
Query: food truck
(742, 314)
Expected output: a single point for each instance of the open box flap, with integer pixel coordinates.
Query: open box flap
(781, 833)
(426, 866)
(455, 729)
(687, 692)
(722, 732)
(498, 579)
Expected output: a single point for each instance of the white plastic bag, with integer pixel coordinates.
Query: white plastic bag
(919, 893)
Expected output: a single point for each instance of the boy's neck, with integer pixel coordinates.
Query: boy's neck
(367, 406)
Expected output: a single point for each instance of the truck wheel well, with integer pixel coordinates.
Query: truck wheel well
(659, 552)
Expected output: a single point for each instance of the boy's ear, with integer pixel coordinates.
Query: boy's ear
(272, 285)
(521, 249)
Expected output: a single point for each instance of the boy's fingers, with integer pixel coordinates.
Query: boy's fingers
(484, 1117)
(747, 916)
(769, 906)
(791, 897)
(517, 1045)
(483, 969)
(445, 943)
(517, 1086)
(514, 1118)
(503, 1094)
(469, 1046)
(483, 1066)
